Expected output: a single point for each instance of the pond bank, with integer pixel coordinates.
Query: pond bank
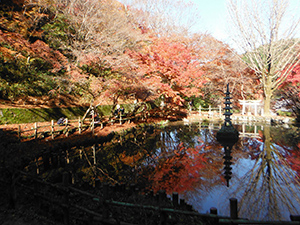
(196, 117)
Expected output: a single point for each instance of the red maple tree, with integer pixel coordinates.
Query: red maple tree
(172, 66)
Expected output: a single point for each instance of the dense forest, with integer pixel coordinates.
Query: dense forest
(107, 52)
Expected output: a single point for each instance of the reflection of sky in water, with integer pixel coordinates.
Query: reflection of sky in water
(261, 179)
(219, 195)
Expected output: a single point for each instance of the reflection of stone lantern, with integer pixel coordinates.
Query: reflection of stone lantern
(227, 136)
(227, 162)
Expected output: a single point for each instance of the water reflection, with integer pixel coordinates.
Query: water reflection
(270, 188)
(189, 160)
(262, 178)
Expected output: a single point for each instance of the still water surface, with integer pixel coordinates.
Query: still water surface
(262, 175)
(262, 168)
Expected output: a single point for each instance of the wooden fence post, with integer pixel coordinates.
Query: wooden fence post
(67, 127)
(233, 208)
(175, 198)
(37, 166)
(52, 129)
(19, 132)
(66, 199)
(295, 217)
(79, 125)
(80, 153)
(94, 153)
(163, 215)
(93, 122)
(35, 130)
(214, 211)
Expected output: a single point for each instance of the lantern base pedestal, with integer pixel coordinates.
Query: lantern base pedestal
(227, 134)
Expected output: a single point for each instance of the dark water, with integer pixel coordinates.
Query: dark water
(262, 168)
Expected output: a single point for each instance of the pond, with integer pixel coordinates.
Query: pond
(261, 170)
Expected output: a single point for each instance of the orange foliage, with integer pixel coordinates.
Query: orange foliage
(38, 49)
(174, 65)
(182, 171)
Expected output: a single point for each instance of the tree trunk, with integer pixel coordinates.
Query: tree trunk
(268, 95)
(267, 105)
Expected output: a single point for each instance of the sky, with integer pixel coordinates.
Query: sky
(214, 15)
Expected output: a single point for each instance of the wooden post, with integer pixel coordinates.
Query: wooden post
(162, 196)
(67, 157)
(66, 199)
(214, 211)
(175, 198)
(93, 122)
(37, 166)
(67, 127)
(199, 110)
(19, 132)
(295, 217)
(79, 125)
(80, 153)
(161, 199)
(220, 111)
(209, 111)
(182, 204)
(94, 153)
(52, 129)
(35, 130)
(233, 208)
(120, 118)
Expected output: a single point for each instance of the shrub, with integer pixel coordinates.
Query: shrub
(18, 78)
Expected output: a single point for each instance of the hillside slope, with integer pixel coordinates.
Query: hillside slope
(31, 67)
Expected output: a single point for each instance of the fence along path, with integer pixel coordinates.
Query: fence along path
(53, 130)
(73, 204)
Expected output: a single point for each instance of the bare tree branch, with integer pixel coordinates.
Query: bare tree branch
(266, 39)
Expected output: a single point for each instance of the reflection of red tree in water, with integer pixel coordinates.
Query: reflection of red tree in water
(293, 160)
(184, 169)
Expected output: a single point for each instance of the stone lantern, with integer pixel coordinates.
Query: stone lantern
(227, 108)
(227, 136)
(227, 133)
